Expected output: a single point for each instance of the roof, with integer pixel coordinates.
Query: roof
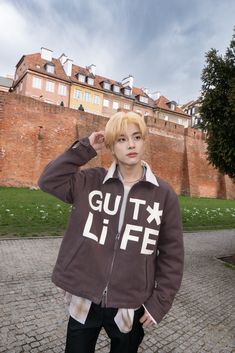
(99, 79)
(190, 104)
(34, 62)
(6, 82)
(161, 103)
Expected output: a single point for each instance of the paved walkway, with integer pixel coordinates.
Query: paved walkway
(33, 316)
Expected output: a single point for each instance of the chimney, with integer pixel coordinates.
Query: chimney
(46, 54)
(128, 81)
(145, 90)
(63, 58)
(155, 95)
(68, 67)
(92, 69)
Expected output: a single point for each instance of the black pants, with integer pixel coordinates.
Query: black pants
(82, 338)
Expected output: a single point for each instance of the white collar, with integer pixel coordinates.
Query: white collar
(149, 176)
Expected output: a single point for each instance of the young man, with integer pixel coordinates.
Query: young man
(121, 259)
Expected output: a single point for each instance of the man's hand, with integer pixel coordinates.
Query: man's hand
(146, 320)
(97, 140)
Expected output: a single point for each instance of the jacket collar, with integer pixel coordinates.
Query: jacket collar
(149, 176)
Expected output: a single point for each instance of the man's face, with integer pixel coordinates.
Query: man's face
(129, 146)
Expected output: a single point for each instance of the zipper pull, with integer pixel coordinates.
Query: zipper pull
(104, 298)
(117, 236)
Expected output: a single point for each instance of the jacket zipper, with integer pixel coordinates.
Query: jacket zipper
(105, 292)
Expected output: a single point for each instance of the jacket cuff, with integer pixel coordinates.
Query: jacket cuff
(154, 308)
(84, 142)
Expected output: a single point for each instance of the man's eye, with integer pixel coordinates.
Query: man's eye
(138, 137)
(121, 139)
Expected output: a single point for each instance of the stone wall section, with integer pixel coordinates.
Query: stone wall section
(32, 133)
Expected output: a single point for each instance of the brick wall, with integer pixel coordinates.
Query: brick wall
(32, 133)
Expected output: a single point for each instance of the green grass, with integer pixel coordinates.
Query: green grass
(200, 213)
(25, 212)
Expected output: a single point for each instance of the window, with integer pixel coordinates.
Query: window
(126, 106)
(106, 103)
(81, 78)
(50, 86)
(115, 105)
(180, 121)
(21, 86)
(90, 81)
(166, 117)
(37, 82)
(76, 93)
(50, 68)
(96, 99)
(143, 99)
(127, 91)
(106, 85)
(116, 89)
(193, 110)
(62, 90)
(87, 97)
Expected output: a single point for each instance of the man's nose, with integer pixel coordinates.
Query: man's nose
(131, 143)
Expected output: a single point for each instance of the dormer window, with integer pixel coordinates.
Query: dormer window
(81, 78)
(127, 91)
(90, 81)
(50, 68)
(143, 99)
(106, 85)
(116, 89)
(172, 105)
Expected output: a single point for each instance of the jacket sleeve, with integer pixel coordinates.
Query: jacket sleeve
(59, 176)
(169, 262)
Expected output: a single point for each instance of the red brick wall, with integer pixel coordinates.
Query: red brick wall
(32, 133)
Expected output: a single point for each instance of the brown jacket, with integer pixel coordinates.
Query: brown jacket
(143, 264)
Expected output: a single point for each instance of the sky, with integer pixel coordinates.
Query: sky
(162, 44)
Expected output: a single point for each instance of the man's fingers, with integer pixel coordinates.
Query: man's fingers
(97, 137)
(146, 320)
(143, 318)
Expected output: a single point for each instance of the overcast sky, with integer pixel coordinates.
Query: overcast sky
(161, 43)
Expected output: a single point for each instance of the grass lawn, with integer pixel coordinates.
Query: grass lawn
(25, 212)
(200, 213)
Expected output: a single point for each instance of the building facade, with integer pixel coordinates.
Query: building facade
(192, 108)
(169, 111)
(60, 82)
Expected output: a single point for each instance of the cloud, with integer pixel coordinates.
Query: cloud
(162, 44)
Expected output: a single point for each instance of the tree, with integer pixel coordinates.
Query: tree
(218, 108)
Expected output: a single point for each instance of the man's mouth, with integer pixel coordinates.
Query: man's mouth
(132, 154)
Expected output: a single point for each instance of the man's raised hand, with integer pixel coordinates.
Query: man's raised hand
(97, 140)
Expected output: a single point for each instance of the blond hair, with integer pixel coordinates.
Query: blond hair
(117, 125)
